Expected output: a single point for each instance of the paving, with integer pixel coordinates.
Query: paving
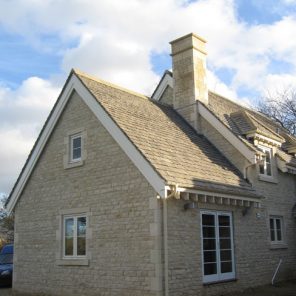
(282, 289)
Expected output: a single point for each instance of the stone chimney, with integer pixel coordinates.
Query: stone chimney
(189, 74)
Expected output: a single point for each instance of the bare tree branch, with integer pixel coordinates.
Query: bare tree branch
(6, 225)
(281, 107)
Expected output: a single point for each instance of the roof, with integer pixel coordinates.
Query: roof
(164, 147)
(167, 141)
(248, 123)
(242, 120)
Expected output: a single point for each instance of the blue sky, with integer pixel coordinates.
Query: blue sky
(251, 49)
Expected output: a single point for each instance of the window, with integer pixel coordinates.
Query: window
(75, 147)
(217, 246)
(75, 153)
(265, 165)
(74, 236)
(276, 229)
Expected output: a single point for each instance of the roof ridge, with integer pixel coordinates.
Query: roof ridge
(99, 80)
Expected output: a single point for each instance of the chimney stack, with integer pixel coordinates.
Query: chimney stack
(189, 74)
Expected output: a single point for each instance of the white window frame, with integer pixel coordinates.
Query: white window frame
(218, 277)
(75, 218)
(273, 218)
(265, 149)
(72, 138)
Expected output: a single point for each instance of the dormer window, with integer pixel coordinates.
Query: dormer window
(265, 165)
(75, 147)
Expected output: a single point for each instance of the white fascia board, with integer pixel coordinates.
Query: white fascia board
(227, 134)
(167, 81)
(216, 194)
(39, 146)
(136, 157)
(126, 145)
(262, 138)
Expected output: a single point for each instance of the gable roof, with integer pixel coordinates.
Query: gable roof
(165, 148)
(167, 141)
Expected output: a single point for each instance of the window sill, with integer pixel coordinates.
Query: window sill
(75, 164)
(266, 178)
(219, 282)
(278, 246)
(72, 262)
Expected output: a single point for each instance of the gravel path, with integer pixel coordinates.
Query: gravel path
(283, 289)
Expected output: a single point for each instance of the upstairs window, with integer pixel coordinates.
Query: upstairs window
(75, 147)
(265, 165)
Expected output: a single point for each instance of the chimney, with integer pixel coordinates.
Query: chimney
(189, 74)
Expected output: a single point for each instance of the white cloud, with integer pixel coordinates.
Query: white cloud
(217, 86)
(22, 113)
(114, 39)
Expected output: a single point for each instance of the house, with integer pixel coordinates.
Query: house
(183, 193)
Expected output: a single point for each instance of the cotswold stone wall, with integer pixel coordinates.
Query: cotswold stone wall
(123, 241)
(255, 257)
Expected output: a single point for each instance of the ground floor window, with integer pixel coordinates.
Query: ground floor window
(276, 229)
(217, 246)
(74, 236)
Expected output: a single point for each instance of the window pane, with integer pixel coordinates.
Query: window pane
(77, 142)
(225, 255)
(272, 236)
(224, 220)
(81, 226)
(210, 268)
(81, 243)
(261, 168)
(208, 231)
(225, 244)
(271, 224)
(279, 235)
(267, 155)
(209, 256)
(69, 225)
(76, 147)
(268, 169)
(224, 231)
(278, 224)
(208, 219)
(278, 229)
(69, 246)
(226, 267)
(209, 244)
(76, 153)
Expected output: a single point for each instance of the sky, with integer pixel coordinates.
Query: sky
(251, 49)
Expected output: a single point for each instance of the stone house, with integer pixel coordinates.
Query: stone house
(183, 193)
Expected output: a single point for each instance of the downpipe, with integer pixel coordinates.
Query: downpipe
(173, 193)
(276, 271)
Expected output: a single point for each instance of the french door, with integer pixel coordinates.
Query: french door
(217, 246)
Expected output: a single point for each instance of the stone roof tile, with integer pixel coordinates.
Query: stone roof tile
(167, 141)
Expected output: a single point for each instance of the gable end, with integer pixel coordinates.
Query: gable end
(74, 83)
